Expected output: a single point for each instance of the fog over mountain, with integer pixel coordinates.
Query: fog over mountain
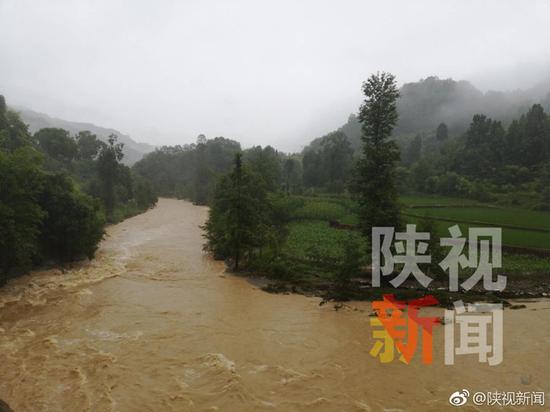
(275, 72)
(133, 151)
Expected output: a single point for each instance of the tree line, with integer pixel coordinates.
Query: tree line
(247, 219)
(489, 162)
(57, 192)
(191, 171)
(485, 160)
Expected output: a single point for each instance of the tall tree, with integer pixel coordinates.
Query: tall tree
(202, 173)
(313, 173)
(266, 163)
(108, 161)
(442, 132)
(88, 145)
(375, 176)
(3, 110)
(413, 152)
(336, 157)
(237, 221)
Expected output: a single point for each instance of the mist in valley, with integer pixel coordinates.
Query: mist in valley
(276, 73)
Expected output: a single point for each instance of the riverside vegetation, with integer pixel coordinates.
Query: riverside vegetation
(313, 241)
(58, 192)
(303, 220)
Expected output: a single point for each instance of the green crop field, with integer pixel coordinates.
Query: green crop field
(519, 218)
(519, 226)
(425, 200)
(511, 237)
(308, 237)
(342, 210)
(321, 210)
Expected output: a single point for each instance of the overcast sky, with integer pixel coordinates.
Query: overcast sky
(262, 72)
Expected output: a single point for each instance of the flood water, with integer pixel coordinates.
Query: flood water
(153, 324)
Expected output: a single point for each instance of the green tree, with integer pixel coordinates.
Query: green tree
(88, 145)
(536, 136)
(375, 175)
(108, 166)
(57, 144)
(202, 174)
(3, 110)
(313, 173)
(336, 157)
(413, 151)
(442, 132)
(21, 182)
(13, 132)
(144, 193)
(237, 221)
(292, 174)
(483, 148)
(73, 224)
(266, 163)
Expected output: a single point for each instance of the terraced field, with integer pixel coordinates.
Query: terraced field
(526, 230)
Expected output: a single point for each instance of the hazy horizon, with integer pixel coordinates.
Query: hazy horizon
(274, 73)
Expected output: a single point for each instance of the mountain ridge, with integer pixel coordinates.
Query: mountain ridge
(424, 104)
(133, 150)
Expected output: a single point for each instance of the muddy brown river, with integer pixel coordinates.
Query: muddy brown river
(153, 324)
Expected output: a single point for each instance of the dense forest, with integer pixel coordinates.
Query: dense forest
(454, 141)
(191, 171)
(489, 161)
(57, 193)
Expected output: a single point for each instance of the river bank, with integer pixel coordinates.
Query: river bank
(155, 324)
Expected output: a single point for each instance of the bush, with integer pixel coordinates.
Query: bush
(73, 223)
(21, 181)
(144, 195)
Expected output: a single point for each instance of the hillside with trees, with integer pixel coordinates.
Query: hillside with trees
(57, 193)
(425, 104)
(133, 151)
(314, 237)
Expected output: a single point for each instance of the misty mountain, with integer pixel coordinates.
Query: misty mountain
(423, 105)
(133, 151)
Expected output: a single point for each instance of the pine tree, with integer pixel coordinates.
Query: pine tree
(375, 175)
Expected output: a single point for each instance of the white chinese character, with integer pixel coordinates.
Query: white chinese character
(508, 399)
(537, 398)
(473, 322)
(494, 398)
(523, 398)
(406, 253)
(478, 259)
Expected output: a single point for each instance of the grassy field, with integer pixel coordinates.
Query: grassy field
(344, 210)
(425, 200)
(310, 237)
(520, 227)
(313, 246)
(524, 219)
(311, 233)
